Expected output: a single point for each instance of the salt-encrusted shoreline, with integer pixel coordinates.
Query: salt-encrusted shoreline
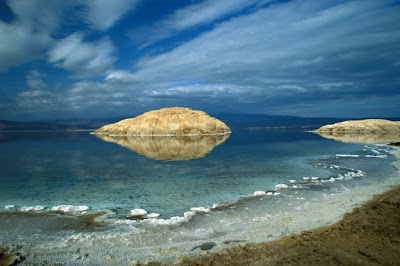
(367, 236)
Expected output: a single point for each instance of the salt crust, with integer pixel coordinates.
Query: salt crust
(188, 215)
(200, 209)
(70, 208)
(138, 212)
(60, 208)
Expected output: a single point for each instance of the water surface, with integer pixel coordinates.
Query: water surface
(294, 173)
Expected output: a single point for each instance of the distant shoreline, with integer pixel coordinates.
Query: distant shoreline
(47, 130)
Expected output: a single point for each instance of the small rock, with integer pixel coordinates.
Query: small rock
(206, 246)
(10, 259)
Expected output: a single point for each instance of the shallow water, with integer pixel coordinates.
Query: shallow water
(296, 175)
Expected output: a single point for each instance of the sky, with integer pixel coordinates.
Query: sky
(120, 58)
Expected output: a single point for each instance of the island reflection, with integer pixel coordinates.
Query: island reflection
(175, 148)
(354, 137)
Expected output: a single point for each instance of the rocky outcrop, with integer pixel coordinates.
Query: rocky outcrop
(177, 148)
(176, 121)
(362, 131)
(8, 255)
(363, 126)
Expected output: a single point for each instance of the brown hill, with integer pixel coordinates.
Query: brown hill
(176, 121)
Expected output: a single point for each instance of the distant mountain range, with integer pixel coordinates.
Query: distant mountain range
(71, 124)
(233, 120)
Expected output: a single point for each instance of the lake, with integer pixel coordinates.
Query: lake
(252, 185)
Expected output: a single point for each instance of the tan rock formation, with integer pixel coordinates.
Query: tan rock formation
(363, 126)
(177, 148)
(362, 131)
(176, 121)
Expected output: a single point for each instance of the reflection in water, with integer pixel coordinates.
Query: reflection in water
(353, 137)
(176, 148)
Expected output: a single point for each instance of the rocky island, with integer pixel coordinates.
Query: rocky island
(362, 131)
(363, 126)
(175, 121)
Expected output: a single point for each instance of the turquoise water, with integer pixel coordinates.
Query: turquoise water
(257, 185)
(76, 168)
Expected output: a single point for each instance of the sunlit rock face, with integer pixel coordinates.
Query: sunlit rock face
(176, 121)
(176, 148)
(362, 131)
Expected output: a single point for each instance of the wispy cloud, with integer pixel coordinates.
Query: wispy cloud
(35, 80)
(299, 57)
(37, 22)
(82, 58)
(192, 16)
(290, 50)
(103, 14)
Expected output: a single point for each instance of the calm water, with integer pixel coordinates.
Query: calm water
(49, 169)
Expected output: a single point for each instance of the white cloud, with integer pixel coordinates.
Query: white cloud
(298, 51)
(20, 44)
(82, 58)
(298, 42)
(103, 14)
(202, 13)
(37, 22)
(35, 80)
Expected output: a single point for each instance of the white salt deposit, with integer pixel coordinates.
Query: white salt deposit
(138, 212)
(7, 207)
(153, 215)
(292, 181)
(347, 155)
(259, 193)
(32, 208)
(377, 156)
(281, 186)
(70, 208)
(200, 209)
(176, 220)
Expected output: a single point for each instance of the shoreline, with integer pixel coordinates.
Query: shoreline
(296, 249)
(369, 235)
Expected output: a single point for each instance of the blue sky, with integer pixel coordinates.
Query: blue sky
(119, 58)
